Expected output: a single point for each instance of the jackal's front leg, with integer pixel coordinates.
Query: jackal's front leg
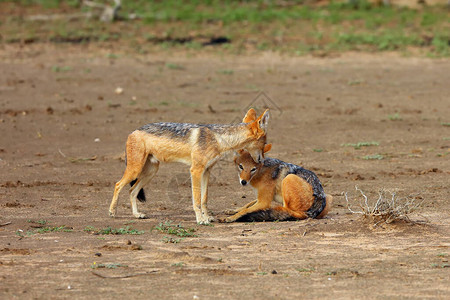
(196, 181)
(204, 201)
(257, 206)
(235, 211)
(264, 200)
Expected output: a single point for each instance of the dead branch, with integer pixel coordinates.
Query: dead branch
(386, 208)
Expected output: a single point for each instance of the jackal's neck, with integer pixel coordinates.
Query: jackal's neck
(236, 138)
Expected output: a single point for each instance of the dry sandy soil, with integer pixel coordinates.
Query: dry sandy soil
(63, 131)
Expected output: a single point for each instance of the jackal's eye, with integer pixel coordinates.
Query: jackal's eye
(253, 169)
(241, 167)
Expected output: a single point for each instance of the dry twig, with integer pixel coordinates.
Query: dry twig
(387, 208)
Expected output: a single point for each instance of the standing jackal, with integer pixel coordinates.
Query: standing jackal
(298, 189)
(197, 145)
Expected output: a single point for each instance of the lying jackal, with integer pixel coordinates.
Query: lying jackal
(298, 189)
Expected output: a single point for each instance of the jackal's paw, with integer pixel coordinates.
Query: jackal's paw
(140, 216)
(230, 211)
(204, 222)
(204, 219)
(229, 220)
(112, 214)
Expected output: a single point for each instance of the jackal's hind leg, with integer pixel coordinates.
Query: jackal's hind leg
(297, 194)
(126, 179)
(136, 159)
(149, 170)
(118, 187)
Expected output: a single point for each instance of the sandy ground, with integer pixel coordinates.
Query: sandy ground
(63, 132)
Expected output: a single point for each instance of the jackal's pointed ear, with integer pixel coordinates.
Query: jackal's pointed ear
(259, 126)
(267, 148)
(250, 116)
(263, 120)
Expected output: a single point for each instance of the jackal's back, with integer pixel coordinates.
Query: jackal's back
(184, 129)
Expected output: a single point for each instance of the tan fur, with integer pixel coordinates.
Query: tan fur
(295, 192)
(145, 150)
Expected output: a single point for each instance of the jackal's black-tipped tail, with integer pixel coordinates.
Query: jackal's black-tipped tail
(318, 206)
(268, 215)
(141, 194)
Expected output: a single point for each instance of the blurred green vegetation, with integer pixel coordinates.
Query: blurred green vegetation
(293, 27)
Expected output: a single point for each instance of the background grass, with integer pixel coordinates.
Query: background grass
(294, 27)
